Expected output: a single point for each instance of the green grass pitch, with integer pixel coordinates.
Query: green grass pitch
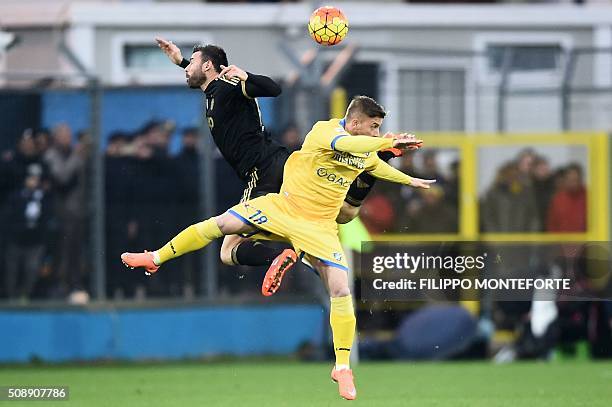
(304, 384)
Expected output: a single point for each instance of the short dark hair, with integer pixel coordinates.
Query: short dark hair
(365, 105)
(212, 53)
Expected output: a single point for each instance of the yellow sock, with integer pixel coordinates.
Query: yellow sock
(192, 238)
(342, 320)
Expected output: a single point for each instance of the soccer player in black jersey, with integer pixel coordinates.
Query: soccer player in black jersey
(235, 123)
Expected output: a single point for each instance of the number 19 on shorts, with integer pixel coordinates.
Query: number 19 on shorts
(258, 218)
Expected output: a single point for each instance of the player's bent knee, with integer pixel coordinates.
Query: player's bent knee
(230, 225)
(227, 250)
(226, 256)
(335, 292)
(225, 223)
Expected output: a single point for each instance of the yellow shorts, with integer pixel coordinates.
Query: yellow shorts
(273, 214)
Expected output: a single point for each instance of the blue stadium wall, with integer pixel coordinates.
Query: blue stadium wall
(157, 333)
(128, 109)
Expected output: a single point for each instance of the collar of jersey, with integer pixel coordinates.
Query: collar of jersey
(210, 85)
(343, 123)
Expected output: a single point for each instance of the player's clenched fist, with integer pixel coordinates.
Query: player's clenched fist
(170, 49)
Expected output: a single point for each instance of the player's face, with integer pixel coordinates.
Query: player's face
(195, 71)
(366, 126)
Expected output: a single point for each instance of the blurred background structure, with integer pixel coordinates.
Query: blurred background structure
(103, 149)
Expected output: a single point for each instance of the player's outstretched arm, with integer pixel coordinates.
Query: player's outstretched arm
(382, 170)
(367, 144)
(360, 144)
(172, 52)
(253, 86)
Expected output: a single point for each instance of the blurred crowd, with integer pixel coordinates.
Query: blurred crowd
(43, 190)
(402, 209)
(46, 209)
(150, 195)
(527, 195)
(46, 206)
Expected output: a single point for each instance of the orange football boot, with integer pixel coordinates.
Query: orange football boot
(346, 387)
(280, 265)
(145, 260)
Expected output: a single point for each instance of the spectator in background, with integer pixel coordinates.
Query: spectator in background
(188, 171)
(67, 166)
(431, 170)
(118, 173)
(377, 214)
(291, 138)
(16, 165)
(544, 187)
(410, 201)
(525, 162)
(451, 189)
(154, 205)
(567, 211)
(188, 197)
(139, 152)
(510, 206)
(26, 223)
(42, 137)
(435, 215)
(510, 203)
(158, 134)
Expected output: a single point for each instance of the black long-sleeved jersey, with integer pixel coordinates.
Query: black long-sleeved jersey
(234, 120)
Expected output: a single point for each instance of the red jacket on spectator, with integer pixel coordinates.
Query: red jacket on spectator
(567, 211)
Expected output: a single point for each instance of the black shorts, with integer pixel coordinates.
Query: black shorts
(267, 179)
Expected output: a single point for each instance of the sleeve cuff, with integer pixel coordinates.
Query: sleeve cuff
(389, 143)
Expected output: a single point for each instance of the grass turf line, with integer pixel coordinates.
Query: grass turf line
(478, 384)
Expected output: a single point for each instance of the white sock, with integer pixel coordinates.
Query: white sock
(156, 258)
(342, 367)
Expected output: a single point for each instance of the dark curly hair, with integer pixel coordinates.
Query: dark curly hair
(212, 53)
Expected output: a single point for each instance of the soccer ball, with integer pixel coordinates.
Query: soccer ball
(328, 25)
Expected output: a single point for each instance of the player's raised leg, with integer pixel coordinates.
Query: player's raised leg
(279, 266)
(342, 320)
(239, 251)
(249, 252)
(192, 238)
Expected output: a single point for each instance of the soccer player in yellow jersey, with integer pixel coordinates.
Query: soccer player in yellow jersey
(316, 179)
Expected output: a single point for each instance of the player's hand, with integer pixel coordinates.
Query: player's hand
(421, 183)
(406, 141)
(170, 49)
(233, 71)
